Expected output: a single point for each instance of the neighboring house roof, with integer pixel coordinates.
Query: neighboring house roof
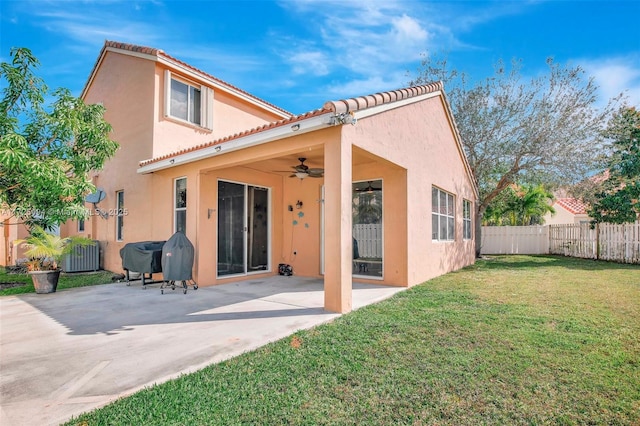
(572, 205)
(159, 55)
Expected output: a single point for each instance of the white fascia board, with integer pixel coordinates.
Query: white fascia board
(284, 131)
(132, 53)
(392, 105)
(196, 75)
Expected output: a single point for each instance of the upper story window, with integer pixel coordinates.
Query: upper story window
(187, 101)
(443, 220)
(466, 219)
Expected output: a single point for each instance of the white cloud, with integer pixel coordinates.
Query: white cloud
(365, 86)
(94, 28)
(369, 46)
(616, 75)
(407, 29)
(315, 63)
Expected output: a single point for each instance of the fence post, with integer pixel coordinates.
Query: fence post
(597, 241)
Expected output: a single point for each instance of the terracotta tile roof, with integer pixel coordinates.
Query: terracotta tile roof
(345, 105)
(573, 205)
(132, 47)
(160, 53)
(272, 125)
(362, 102)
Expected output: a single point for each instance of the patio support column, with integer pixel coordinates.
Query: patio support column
(338, 252)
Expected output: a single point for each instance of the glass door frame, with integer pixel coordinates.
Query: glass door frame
(245, 219)
(322, 226)
(372, 181)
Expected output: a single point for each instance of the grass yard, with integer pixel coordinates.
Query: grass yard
(80, 279)
(517, 340)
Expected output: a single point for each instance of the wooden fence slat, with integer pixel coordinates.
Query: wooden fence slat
(369, 239)
(618, 243)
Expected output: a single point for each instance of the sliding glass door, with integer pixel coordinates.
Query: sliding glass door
(367, 229)
(243, 228)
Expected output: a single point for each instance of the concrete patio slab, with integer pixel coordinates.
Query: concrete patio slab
(69, 352)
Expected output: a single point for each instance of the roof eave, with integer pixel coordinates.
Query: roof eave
(281, 132)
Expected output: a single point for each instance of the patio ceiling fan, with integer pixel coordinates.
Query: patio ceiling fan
(368, 189)
(302, 171)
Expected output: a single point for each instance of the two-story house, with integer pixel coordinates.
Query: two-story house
(375, 188)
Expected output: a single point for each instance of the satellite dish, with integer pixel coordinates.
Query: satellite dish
(95, 197)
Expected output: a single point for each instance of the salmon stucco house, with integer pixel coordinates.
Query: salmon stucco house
(375, 188)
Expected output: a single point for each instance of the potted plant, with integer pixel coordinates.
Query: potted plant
(45, 251)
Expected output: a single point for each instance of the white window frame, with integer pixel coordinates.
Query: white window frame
(81, 225)
(438, 212)
(177, 209)
(467, 228)
(206, 101)
(119, 215)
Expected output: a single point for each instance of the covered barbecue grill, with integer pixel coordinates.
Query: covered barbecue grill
(144, 257)
(177, 262)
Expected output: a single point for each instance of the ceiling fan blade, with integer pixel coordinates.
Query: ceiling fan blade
(368, 188)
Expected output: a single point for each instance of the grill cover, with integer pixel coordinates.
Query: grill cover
(143, 257)
(177, 258)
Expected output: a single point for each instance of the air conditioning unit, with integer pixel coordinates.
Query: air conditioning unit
(82, 259)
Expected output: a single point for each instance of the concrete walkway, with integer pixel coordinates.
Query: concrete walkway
(65, 353)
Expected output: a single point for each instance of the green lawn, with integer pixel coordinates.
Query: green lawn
(515, 340)
(66, 281)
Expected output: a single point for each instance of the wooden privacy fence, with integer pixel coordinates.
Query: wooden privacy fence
(369, 238)
(573, 240)
(515, 239)
(618, 243)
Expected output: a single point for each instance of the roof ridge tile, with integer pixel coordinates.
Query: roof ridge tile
(380, 98)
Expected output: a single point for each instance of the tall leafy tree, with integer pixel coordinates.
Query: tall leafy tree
(619, 198)
(544, 129)
(46, 153)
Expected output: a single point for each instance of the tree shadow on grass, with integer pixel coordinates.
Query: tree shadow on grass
(499, 262)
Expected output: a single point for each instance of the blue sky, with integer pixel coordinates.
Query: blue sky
(298, 54)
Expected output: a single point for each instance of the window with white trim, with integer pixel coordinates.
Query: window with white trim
(443, 220)
(466, 219)
(180, 205)
(187, 101)
(80, 225)
(119, 215)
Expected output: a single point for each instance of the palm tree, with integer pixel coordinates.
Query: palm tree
(530, 205)
(46, 250)
(367, 207)
(524, 205)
